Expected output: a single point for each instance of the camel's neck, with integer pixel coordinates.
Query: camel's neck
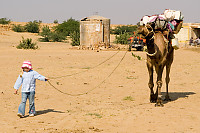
(150, 46)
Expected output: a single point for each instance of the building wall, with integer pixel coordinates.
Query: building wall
(188, 30)
(184, 34)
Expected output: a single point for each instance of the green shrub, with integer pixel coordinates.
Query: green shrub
(27, 44)
(128, 98)
(68, 27)
(46, 32)
(51, 36)
(55, 21)
(122, 38)
(95, 114)
(136, 56)
(32, 27)
(122, 29)
(40, 21)
(57, 37)
(4, 21)
(18, 28)
(75, 36)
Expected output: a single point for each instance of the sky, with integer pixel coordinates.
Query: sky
(119, 11)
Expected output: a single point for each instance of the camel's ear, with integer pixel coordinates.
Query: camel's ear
(140, 29)
(149, 27)
(143, 30)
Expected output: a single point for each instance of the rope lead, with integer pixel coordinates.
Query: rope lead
(95, 86)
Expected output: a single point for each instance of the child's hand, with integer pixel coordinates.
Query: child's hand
(15, 91)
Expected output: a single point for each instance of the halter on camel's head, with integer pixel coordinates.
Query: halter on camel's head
(148, 33)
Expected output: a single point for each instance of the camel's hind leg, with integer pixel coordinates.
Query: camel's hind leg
(167, 82)
(168, 67)
(153, 97)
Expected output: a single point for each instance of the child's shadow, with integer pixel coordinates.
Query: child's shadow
(176, 95)
(40, 112)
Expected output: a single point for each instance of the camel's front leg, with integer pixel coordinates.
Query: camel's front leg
(159, 71)
(158, 93)
(151, 85)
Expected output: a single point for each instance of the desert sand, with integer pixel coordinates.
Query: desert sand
(117, 101)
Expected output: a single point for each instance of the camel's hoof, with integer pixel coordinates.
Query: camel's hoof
(153, 98)
(152, 101)
(159, 105)
(159, 102)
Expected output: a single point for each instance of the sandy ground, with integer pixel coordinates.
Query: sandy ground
(118, 105)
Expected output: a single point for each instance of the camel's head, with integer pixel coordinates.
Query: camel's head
(144, 30)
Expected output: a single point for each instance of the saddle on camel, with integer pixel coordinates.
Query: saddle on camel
(159, 30)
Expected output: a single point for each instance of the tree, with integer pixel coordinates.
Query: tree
(46, 33)
(51, 36)
(4, 21)
(32, 27)
(122, 29)
(69, 26)
(122, 38)
(75, 36)
(55, 21)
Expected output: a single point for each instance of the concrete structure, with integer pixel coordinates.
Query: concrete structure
(189, 30)
(94, 32)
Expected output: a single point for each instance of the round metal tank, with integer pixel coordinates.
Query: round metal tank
(95, 31)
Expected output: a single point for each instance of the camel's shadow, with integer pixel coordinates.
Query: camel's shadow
(40, 112)
(176, 95)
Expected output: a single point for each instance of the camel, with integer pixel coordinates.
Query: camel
(160, 53)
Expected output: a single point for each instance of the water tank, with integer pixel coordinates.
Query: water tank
(94, 30)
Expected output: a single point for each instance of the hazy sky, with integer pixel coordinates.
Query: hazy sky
(119, 11)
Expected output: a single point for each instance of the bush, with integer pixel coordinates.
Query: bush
(46, 33)
(18, 28)
(4, 21)
(27, 44)
(57, 37)
(51, 36)
(122, 38)
(55, 21)
(40, 21)
(68, 27)
(32, 27)
(122, 29)
(75, 36)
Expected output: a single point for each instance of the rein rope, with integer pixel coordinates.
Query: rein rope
(87, 70)
(150, 32)
(152, 54)
(151, 39)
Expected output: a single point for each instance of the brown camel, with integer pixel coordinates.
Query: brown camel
(160, 53)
